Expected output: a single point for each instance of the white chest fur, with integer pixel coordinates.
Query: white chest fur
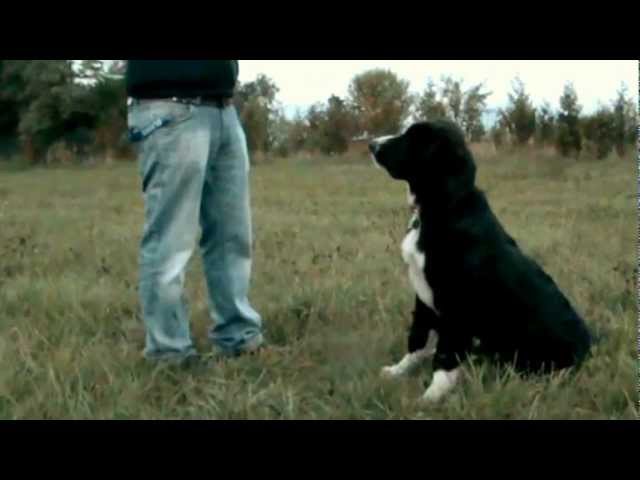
(416, 261)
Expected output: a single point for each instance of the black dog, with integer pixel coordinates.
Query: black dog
(474, 285)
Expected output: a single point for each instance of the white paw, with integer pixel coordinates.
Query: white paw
(405, 366)
(390, 373)
(443, 382)
(431, 397)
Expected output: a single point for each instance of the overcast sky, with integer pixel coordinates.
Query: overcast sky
(304, 82)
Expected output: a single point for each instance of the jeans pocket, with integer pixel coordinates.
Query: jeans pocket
(147, 117)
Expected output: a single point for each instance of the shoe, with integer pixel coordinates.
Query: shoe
(252, 347)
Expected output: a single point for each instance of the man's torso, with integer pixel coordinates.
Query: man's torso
(181, 78)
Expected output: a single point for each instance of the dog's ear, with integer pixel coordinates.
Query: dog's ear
(425, 145)
(447, 169)
(462, 177)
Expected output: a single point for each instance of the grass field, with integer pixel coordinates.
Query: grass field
(329, 281)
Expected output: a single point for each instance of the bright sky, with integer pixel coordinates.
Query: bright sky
(304, 82)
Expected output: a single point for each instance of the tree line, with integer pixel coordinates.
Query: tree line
(56, 109)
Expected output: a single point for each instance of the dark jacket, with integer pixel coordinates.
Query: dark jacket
(181, 78)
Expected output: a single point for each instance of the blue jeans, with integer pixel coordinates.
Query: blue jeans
(195, 176)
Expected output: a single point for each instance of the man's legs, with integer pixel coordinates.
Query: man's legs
(172, 165)
(226, 243)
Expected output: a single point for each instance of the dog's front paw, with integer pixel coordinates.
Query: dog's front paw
(405, 366)
(430, 397)
(443, 382)
(390, 373)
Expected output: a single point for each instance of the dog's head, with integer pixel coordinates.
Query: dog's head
(431, 156)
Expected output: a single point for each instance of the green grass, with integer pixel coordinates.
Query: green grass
(328, 280)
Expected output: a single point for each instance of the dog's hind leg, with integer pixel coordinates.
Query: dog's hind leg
(422, 342)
